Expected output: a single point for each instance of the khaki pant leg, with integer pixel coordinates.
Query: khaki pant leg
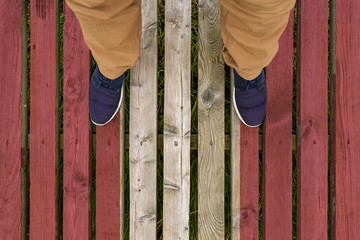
(112, 31)
(250, 30)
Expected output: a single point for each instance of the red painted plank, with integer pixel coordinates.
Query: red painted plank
(249, 182)
(108, 180)
(76, 223)
(10, 119)
(346, 131)
(42, 119)
(312, 120)
(278, 141)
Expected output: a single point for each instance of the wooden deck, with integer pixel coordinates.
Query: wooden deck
(47, 141)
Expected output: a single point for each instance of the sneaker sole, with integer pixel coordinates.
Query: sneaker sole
(237, 112)
(118, 107)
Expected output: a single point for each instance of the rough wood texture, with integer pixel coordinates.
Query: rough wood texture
(249, 182)
(312, 120)
(193, 141)
(235, 169)
(346, 131)
(76, 223)
(143, 130)
(278, 141)
(10, 119)
(42, 119)
(109, 217)
(211, 124)
(177, 120)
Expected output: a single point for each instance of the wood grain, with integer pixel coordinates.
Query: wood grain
(10, 119)
(249, 182)
(76, 175)
(312, 120)
(193, 141)
(346, 131)
(177, 120)
(235, 168)
(42, 119)
(143, 130)
(109, 217)
(278, 141)
(211, 221)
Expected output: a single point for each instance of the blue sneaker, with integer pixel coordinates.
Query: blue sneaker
(105, 97)
(250, 99)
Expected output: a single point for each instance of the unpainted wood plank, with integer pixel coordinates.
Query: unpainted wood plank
(278, 141)
(177, 120)
(43, 119)
(211, 222)
(312, 120)
(143, 130)
(10, 120)
(346, 131)
(76, 175)
(235, 168)
(109, 217)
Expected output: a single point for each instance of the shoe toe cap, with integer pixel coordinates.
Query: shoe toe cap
(250, 106)
(253, 116)
(102, 105)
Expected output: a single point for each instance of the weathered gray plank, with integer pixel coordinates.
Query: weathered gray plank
(143, 130)
(177, 119)
(211, 123)
(235, 169)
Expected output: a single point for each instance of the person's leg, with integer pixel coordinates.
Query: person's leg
(112, 31)
(250, 30)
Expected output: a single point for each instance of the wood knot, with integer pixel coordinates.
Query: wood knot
(247, 214)
(147, 218)
(208, 97)
(170, 130)
(144, 139)
(171, 186)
